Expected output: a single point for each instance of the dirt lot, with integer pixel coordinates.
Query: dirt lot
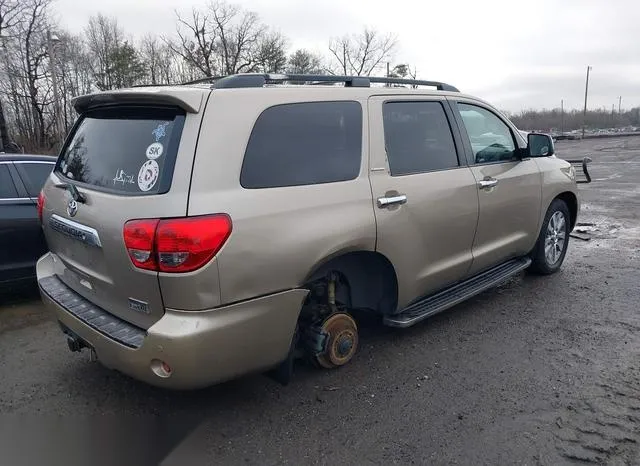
(538, 371)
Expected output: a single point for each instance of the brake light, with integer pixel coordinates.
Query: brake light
(178, 244)
(138, 238)
(40, 205)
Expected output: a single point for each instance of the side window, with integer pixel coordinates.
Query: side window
(417, 137)
(7, 188)
(304, 143)
(491, 139)
(34, 175)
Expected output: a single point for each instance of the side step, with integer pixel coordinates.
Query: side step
(433, 304)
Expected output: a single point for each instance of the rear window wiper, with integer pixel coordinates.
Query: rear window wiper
(73, 191)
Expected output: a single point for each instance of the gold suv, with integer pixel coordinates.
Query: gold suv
(204, 231)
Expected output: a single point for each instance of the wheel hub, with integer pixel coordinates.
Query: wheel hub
(342, 340)
(555, 237)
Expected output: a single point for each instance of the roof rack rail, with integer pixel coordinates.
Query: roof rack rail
(244, 80)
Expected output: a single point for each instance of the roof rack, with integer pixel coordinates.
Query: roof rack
(244, 80)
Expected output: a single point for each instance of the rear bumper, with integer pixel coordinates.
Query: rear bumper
(201, 347)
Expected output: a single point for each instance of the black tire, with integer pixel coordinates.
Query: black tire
(541, 263)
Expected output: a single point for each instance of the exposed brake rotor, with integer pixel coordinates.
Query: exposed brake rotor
(342, 340)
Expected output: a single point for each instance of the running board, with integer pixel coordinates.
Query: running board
(433, 304)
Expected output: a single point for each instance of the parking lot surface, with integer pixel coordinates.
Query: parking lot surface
(542, 370)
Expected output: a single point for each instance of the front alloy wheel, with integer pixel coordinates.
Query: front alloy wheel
(548, 254)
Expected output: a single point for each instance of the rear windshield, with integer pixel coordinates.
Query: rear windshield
(128, 151)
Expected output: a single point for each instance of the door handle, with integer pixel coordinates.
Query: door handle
(488, 183)
(392, 200)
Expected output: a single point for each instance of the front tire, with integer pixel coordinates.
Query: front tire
(550, 249)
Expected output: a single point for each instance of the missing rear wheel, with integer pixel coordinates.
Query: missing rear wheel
(342, 341)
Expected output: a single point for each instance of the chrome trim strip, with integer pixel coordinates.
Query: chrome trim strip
(75, 230)
(6, 162)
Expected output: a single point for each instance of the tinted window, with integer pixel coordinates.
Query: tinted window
(34, 175)
(7, 188)
(418, 137)
(491, 138)
(128, 151)
(306, 143)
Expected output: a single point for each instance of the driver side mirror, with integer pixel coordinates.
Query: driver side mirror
(540, 145)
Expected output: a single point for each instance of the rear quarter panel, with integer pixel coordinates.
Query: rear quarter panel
(279, 234)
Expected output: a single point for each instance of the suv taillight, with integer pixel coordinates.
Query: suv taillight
(40, 205)
(177, 244)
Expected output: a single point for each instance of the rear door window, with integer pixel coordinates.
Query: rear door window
(33, 175)
(7, 188)
(418, 137)
(125, 150)
(304, 143)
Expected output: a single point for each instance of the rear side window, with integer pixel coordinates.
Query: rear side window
(7, 188)
(129, 151)
(34, 175)
(304, 143)
(418, 137)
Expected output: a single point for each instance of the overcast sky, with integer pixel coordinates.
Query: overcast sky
(516, 54)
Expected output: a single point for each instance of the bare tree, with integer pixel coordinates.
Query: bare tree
(11, 13)
(26, 65)
(362, 54)
(10, 16)
(224, 39)
(271, 53)
(104, 37)
(196, 42)
(238, 33)
(75, 71)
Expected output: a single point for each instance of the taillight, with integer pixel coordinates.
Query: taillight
(178, 244)
(139, 238)
(40, 205)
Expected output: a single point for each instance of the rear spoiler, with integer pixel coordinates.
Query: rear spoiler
(582, 164)
(188, 99)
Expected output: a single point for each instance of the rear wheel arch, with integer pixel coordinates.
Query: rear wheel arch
(370, 277)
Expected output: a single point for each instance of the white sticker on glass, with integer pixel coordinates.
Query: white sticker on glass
(154, 151)
(148, 175)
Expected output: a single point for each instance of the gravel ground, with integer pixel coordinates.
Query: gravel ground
(542, 370)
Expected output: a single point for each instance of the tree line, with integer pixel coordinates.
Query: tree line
(39, 57)
(558, 120)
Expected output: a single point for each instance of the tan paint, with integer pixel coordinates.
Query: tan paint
(448, 229)
(428, 240)
(202, 348)
(108, 269)
(279, 234)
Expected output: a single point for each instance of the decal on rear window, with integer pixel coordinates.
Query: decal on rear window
(148, 175)
(160, 132)
(122, 177)
(154, 151)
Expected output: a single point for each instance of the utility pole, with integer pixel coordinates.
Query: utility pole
(562, 116)
(620, 105)
(57, 117)
(388, 72)
(586, 92)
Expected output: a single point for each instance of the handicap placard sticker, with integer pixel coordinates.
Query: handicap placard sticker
(148, 175)
(154, 151)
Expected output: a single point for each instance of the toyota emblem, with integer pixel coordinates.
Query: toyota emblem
(72, 208)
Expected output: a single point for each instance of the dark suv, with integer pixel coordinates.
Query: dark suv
(21, 238)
